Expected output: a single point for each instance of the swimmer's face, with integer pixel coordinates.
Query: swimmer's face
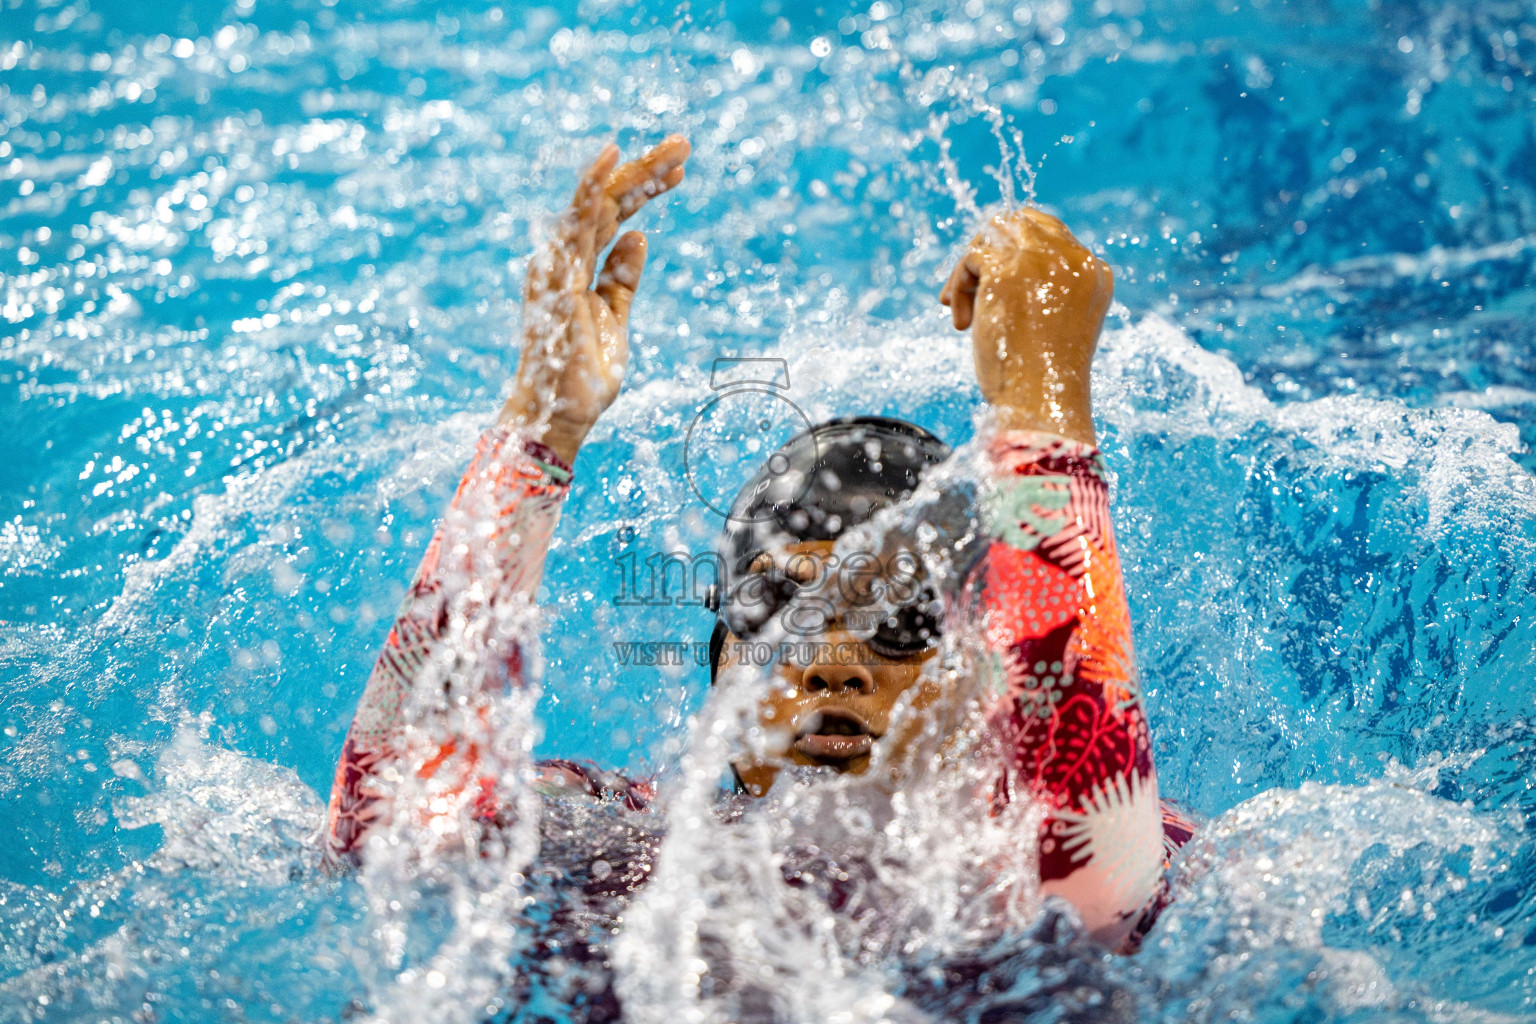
(834, 698)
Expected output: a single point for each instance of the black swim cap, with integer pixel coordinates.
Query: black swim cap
(822, 482)
(834, 476)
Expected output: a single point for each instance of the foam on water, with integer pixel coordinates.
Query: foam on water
(1339, 916)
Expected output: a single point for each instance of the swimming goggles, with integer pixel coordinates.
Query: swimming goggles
(803, 610)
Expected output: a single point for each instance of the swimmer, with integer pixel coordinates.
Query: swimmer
(1042, 589)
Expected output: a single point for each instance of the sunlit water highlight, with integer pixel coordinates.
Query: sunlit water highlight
(259, 269)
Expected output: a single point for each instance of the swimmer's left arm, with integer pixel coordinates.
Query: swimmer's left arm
(490, 546)
(1048, 592)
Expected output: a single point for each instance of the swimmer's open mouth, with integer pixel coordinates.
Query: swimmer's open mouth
(834, 734)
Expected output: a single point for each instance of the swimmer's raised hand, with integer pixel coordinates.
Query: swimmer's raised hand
(575, 335)
(1035, 299)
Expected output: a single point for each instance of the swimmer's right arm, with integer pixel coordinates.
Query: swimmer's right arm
(493, 541)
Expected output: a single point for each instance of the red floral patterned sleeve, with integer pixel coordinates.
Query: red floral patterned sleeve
(490, 546)
(1057, 639)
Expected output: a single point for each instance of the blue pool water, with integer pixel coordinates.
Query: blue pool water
(259, 278)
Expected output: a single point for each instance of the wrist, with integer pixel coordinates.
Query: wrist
(559, 436)
(563, 443)
(1072, 418)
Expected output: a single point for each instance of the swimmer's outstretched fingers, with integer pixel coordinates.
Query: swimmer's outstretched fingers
(629, 188)
(575, 339)
(608, 194)
(632, 185)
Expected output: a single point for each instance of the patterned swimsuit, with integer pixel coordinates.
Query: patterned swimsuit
(1045, 596)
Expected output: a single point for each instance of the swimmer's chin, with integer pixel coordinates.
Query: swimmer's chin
(758, 777)
(854, 763)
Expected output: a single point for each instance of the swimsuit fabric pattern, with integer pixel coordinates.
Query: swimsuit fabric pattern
(1048, 602)
(517, 487)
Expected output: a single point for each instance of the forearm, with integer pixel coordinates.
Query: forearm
(494, 538)
(1056, 628)
(489, 548)
(1050, 590)
(1034, 363)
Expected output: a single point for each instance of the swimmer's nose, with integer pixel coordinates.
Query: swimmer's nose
(822, 677)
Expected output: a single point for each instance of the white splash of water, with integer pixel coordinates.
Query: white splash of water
(221, 811)
(805, 905)
(1272, 873)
